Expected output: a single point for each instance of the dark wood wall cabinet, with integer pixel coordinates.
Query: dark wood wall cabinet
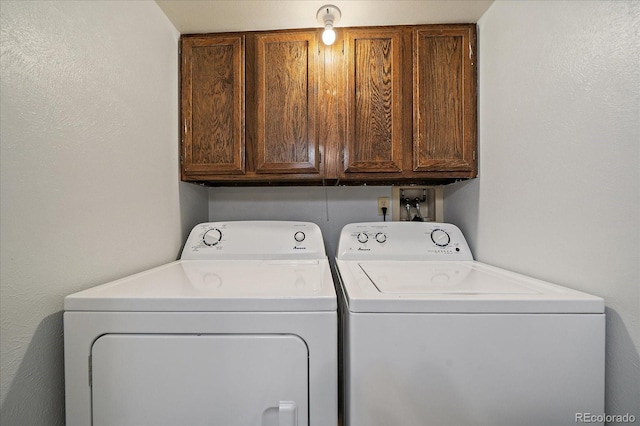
(381, 105)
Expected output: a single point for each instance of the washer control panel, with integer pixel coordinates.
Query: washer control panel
(254, 240)
(402, 241)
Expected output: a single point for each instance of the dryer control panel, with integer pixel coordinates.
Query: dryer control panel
(254, 240)
(402, 241)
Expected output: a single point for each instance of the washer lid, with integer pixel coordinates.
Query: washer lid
(212, 286)
(454, 287)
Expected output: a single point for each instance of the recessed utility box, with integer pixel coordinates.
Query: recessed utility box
(417, 203)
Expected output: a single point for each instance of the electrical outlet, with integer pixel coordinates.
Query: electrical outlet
(383, 202)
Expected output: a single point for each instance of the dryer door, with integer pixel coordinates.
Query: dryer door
(156, 379)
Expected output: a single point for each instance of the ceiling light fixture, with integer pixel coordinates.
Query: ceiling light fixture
(328, 15)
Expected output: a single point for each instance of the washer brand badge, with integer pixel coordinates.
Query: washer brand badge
(299, 248)
(364, 249)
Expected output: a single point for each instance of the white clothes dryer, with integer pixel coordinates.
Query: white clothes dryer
(242, 330)
(432, 337)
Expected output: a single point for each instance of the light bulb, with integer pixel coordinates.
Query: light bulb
(327, 16)
(329, 35)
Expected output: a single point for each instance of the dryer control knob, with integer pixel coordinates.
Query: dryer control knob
(440, 237)
(362, 237)
(212, 237)
(381, 237)
(299, 236)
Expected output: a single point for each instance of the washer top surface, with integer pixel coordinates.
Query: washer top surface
(230, 266)
(454, 287)
(439, 275)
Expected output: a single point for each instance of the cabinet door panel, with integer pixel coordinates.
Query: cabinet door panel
(213, 105)
(444, 100)
(286, 101)
(374, 100)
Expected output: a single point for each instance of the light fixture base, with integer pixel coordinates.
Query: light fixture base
(328, 14)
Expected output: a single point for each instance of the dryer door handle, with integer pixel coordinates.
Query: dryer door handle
(288, 413)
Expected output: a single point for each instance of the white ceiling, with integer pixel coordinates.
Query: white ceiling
(202, 16)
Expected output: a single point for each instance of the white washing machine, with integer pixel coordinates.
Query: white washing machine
(242, 330)
(432, 337)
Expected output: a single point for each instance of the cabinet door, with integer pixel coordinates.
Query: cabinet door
(284, 75)
(212, 106)
(373, 100)
(444, 99)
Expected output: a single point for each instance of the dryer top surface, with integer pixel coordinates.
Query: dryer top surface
(212, 286)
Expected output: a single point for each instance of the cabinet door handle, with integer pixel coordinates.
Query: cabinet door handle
(288, 413)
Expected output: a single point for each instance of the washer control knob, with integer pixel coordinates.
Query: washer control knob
(212, 237)
(381, 237)
(299, 236)
(440, 237)
(363, 237)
